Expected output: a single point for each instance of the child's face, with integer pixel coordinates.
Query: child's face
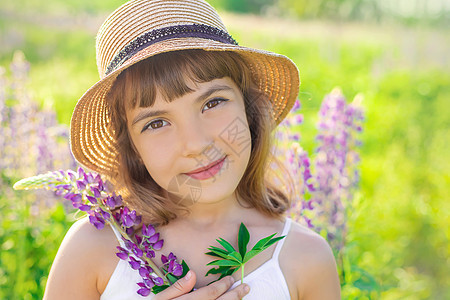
(197, 129)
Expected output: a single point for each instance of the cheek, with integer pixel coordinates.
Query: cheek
(235, 132)
(156, 160)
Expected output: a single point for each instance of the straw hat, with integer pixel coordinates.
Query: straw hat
(143, 28)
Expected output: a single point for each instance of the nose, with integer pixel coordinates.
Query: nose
(194, 138)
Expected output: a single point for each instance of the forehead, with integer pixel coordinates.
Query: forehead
(200, 90)
(199, 93)
(173, 75)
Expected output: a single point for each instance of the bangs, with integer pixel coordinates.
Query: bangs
(169, 74)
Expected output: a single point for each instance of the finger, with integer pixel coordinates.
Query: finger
(237, 293)
(180, 287)
(212, 291)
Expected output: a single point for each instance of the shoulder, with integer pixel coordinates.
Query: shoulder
(87, 237)
(308, 258)
(307, 243)
(87, 253)
(85, 241)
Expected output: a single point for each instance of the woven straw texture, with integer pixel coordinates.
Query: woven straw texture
(92, 143)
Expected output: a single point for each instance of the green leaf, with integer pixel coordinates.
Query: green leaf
(214, 254)
(230, 260)
(218, 251)
(229, 272)
(272, 241)
(365, 285)
(224, 262)
(218, 270)
(365, 280)
(226, 245)
(262, 242)
(250, 254)
(224, 271)
(235, 256)
(159, 288)
(171, 278)
(185, 268)
(243, 238)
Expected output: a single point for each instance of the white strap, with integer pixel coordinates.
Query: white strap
(118, 236)
(287, 226)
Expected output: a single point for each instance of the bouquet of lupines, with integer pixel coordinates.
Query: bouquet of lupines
(89, 193)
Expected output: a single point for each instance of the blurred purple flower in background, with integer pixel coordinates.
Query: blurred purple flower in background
(31, 139)
(336, 164)
(325, 183)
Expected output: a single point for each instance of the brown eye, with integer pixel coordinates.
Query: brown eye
(214, 102)
(154, 125)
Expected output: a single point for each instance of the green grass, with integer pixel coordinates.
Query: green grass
(399, 228)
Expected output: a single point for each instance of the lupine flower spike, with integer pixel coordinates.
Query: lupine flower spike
(89, 193)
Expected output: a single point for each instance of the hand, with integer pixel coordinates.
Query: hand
(217, 290)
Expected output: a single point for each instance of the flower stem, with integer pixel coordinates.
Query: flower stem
(155, 268)
(242, 274)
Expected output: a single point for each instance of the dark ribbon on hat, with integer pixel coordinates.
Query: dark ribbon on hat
(171, 32)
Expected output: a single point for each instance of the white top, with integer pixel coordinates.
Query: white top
(266, 282)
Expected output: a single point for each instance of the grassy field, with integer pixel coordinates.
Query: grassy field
(399, 228)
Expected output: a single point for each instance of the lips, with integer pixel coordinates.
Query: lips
(206, 167)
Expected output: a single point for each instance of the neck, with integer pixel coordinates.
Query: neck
(210, 215)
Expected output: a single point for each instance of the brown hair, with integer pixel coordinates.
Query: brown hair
(167, 73)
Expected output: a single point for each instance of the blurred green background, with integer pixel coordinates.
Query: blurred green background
(397, 55)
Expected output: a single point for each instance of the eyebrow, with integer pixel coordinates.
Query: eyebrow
(148, 113)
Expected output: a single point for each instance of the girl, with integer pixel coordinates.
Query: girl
(181, 124)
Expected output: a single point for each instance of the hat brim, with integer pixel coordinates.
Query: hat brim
(91, 141)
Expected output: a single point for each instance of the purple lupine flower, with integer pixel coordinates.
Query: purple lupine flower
(158, 245)
(123, 253)
(334, 164)
(144, 271)
(95, 191)
(76, 199)
(150, 253)
(137, 251)
(105, 215)
(110, 201)
(338, 125)
(130, 218)
(79, 188)
(72, 175)
(99, 223)
(171, 264)
(81, 185)
(135, 264)
(164, 258)
(88, 178)
(175, 268)
(153, 239)
(158, 281)
(114, 201)
(148, 231)
(91, 199)
(149, 281)
(84, 207)
(143, 291)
